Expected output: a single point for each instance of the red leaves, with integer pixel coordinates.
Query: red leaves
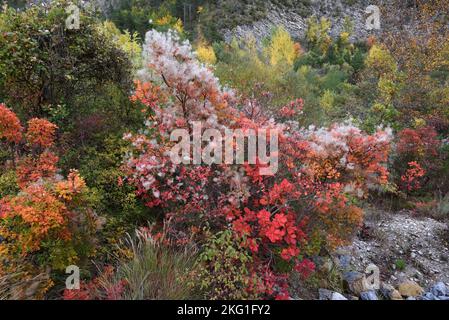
(104, 287)
(305, 268)
(417, 154)
(411, 179)
(418, 142)
(10, 128)
(278, 229)
(279, 194)
(318, 167)
(295, 107)
(241, 227)
(273, 230)
(41, 133)
(31, 169)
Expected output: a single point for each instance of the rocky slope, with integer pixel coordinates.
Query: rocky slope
(337, 11)
(411, 254)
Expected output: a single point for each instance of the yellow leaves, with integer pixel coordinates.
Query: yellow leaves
(164, 20)
(344, 37)
(387, 89)
(327, 101)
(419, 123)
(317, 34)
(169, 21)
(206, 54)
(281, 49)
(178, 26)
(380, 60)
(126, 41)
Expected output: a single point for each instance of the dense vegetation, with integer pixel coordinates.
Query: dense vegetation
(85, 123)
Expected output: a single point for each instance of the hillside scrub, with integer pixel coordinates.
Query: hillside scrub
(91, 175)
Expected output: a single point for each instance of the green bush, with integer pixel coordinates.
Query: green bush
(8, 184)
(224, 271)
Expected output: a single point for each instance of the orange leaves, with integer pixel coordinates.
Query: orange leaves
(10, 128)
(41, 133)
(30, 170)
(148, 94)
(38, 223)
(74, 185)
(346, 155)
(38, 213)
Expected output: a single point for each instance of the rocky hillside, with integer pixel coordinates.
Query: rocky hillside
(294, 17)
(411, 254)
(225, 19)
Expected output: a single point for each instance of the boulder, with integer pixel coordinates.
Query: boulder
(325, 294)
(439, 289)
(386, 290)
(369, 295)
(389, 292)
(410, 289)
(429, 296)
(395, 295)
(344, 261)
(338, 296)
(355, 282)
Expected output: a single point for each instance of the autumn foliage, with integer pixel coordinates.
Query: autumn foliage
(10, 128)
(49, 222)
(277, 216)
(419, 155)
(87, 175)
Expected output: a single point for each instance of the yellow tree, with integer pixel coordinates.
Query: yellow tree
(318, 34)
(281, 48)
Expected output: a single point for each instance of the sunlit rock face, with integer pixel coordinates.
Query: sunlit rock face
(339, 12)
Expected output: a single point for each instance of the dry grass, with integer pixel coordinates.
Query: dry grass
(154, 271)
